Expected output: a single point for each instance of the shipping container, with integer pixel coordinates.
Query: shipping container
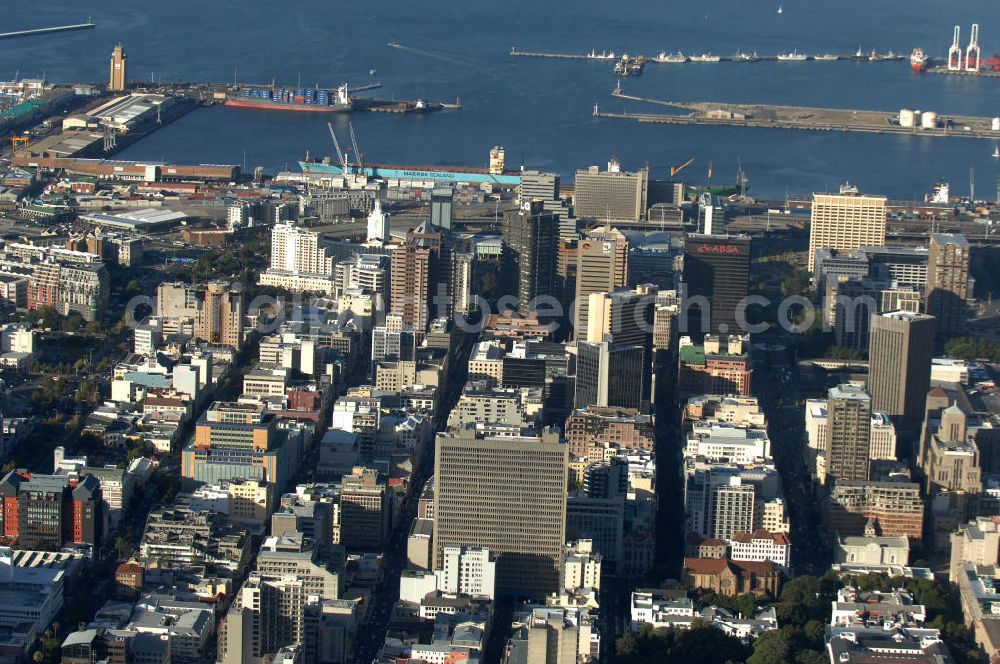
(298, 99)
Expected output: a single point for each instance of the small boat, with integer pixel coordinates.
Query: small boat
(874, 57)
(747, 57)
(394, 43)
(706, 57)
(996, 152)
(781, 10)
(372, 72)
(826, 57)
(794, 56)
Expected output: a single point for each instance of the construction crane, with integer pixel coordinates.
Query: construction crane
(674, 170)
(16, 140)
(336, 144)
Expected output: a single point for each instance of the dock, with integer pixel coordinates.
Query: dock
(559, 56)
(741, 57)
(367, 86)
(89, 25)
(962, 72)
(805, 118)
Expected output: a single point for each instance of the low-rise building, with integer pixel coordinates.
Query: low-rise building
(871, 550)
(729, 577)
(760, 546)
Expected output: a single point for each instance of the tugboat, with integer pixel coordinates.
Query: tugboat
(630, 66)
(918, 60)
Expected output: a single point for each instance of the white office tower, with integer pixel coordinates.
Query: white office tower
(378, 224)
(705, 210)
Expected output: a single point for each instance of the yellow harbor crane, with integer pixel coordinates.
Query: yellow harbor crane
(674, 170)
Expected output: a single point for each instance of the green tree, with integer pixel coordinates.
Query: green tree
(973, 348)
(72, 323)
(702, 643)
(772, 647)
(133, 288)
(814, 633)
(124, 545)
(811, 657)
(87, 392)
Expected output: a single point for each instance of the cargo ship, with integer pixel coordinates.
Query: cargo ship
(918, 60)
(496, 173)
(292, 99)
(317, 100)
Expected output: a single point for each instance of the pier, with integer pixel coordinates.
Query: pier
(362, 88)
(89, 25)
(800, 117)
(963, 72)
(741, 57)
(559, 56)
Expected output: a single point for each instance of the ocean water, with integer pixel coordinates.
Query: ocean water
(540, 110)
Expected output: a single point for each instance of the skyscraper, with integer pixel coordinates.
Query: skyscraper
(118, 78)
(529, 236)
(507, 494)
(717, 267)
(611, 194)
(301, 259)
(626, 316)
(849, 409)
(220, 316)
(215, 309)
(544, 187)
(415, 277)
(733, 510)
(462, 272)
(441, 207)
(948, 282)
(901, 346)
(364, 510)
(845, 221)
(609, 374)
(538, 186)
(601, 267)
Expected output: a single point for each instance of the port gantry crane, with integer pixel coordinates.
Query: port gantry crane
(341, 157)
(357, 153)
